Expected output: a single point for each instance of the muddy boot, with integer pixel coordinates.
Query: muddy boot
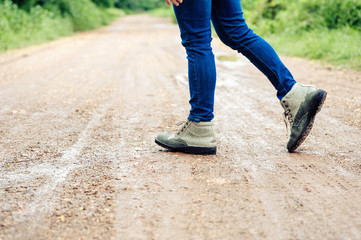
(301, 105)
(193, 138)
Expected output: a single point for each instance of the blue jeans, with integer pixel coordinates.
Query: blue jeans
(194, 17)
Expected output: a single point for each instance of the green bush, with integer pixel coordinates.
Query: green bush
(337, 13)
(166, 12)
(104, 3)
(28, 4)
(84, 13)
(329, 30)
(305, 14)
(139, 5)
(26, 22)
(20, 28)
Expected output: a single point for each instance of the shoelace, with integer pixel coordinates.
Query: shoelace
(185, 125)
(287, 118)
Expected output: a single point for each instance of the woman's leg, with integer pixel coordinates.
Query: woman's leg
(194, 18)
(230, 25)
(197, 134)
(301, 103)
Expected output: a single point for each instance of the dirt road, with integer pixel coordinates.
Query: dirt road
(78, 160)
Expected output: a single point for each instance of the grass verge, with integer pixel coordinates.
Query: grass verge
(21, 28)
(166, 12)
(340, 47)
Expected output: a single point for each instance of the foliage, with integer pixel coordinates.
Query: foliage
(319, 29)
(104, 3)
(165, 12)
(337, 46)
(84, 13)
(305, 14)
(18, 27)
(27, 4)
(139, 5)
(25, 22)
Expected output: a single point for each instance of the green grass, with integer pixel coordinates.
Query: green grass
(20, 28)
(329, 31)
(161, 12)
(166, 12)
(227, 58)
(326, 30)
(340, 47)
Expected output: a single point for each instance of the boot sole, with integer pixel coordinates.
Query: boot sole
(190, 149)
(315, 108)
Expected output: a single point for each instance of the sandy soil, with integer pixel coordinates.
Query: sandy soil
(78, 160)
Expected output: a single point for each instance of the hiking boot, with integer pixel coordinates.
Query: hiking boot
(193, 138)
(301, 105)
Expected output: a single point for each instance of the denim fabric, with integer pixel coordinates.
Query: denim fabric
(194, 18)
